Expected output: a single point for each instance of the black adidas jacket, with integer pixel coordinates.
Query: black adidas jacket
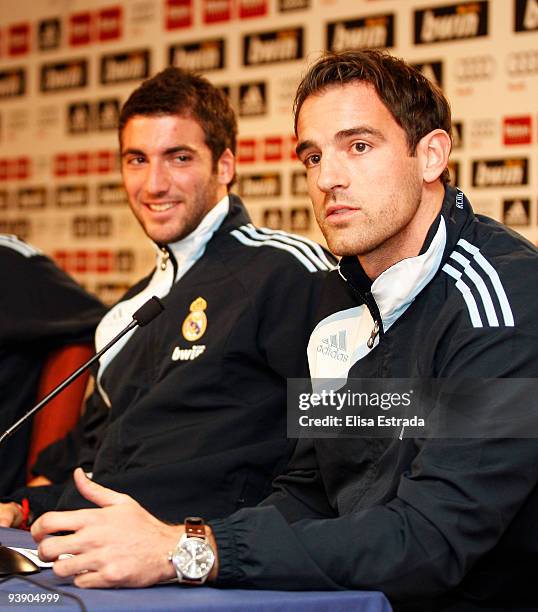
(41, 308)
(419, 519)
(199, 427)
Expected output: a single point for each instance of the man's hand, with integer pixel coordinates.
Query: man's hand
(10, 515)
(117, 544)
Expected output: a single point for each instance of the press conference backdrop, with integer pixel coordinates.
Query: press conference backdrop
(66, 66)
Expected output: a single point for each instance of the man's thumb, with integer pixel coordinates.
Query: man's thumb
(96, 493)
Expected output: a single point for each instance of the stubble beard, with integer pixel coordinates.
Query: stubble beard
(367, 234)
(177, 229)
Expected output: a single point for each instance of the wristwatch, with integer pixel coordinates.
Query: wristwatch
(193, 557)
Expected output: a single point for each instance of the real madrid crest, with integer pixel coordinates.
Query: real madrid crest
(195, 323)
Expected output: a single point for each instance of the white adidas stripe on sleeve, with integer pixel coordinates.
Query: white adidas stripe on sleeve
(480, 285)
(252, 232)
(494, 277)
(467, 295)
(12, 242)
(251, 236)
(279, 245)
(311, 243)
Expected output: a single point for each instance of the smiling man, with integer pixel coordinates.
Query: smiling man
(169, 174)
(425, 289)
(195, 402)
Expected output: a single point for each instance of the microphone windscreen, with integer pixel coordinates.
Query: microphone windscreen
(148, 311)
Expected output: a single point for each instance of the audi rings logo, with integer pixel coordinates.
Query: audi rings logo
(475, 68)
(522, 63)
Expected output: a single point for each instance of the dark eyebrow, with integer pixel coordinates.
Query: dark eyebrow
(132, 152)
(342, 135)
(169, 151)
(363, 130)
(179, 149)
(301, 146)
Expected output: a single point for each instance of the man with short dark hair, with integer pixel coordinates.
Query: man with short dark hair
(195, 402)
(425, 290)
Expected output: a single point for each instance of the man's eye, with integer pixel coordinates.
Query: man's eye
(311, 160)
(361, 147)
(182, 158)
(136, 161)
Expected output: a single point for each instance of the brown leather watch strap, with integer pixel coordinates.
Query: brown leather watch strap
(195, 527)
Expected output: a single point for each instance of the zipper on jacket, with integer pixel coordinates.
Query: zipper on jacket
(168, 256)
(373, 335)
(368, 299)
(165, 256)
(377, 330)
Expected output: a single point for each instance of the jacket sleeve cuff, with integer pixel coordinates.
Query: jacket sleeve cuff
(41, 499)
(223, 532)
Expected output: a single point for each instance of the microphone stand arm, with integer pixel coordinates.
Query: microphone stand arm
(66, 382)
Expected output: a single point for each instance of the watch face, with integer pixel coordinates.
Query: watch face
(194, 558)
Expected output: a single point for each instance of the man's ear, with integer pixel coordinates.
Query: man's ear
(434, 151)
(226, 167)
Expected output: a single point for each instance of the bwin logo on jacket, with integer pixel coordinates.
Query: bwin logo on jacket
(195, 351)
(334, 346)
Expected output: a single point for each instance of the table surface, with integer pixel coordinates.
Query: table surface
(175, 597)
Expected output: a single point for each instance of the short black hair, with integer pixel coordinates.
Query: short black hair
(175, 91)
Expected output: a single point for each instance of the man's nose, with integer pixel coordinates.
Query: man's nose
(157, 179)
(332, 173)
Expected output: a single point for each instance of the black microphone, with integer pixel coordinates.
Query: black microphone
(144, 315)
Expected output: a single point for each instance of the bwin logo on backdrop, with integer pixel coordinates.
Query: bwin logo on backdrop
(71, 196)
(121, 67)
(111, 194)
(374, 31)
(500, 172)
(12, 82)
(451, 22)
(30, 198)
(335, 346)
(198, 56)
(265, 185)
(64, 75)
(274, 46)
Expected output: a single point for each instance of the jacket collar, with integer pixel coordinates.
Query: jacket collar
(396, 288)
(228, 214)
(237, 215)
